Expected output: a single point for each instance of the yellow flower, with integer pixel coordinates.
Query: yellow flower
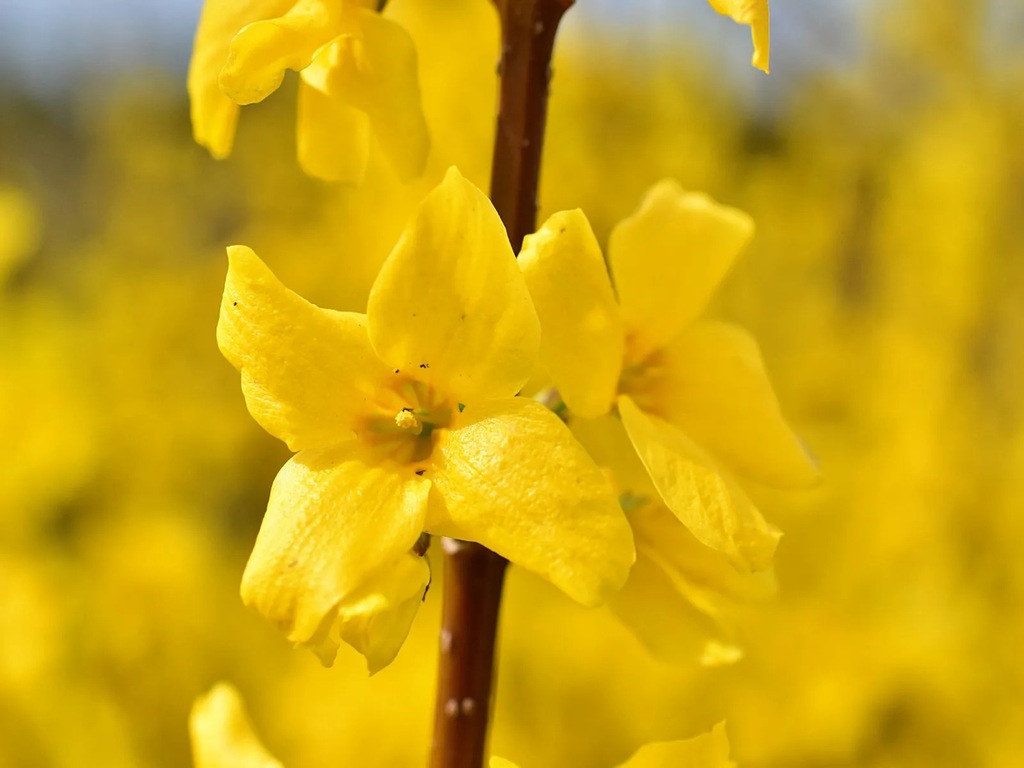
(222, 736)
(692, 394)
(753, 13)
(709, 750)
(405, 420)
(357, 70)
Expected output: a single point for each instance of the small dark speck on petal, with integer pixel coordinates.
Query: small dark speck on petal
(561, 231)
(424, 365)
(293, 563)
(234, 304)
(396, 370)
(463, 316)
(420, 472)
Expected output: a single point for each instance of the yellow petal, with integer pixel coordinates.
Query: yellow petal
(376, 620)
(709, 750)
(333, 557)
(715, 510)
(500, 762)
(222, 736)
(511, 477)
(606, 441)
(717, 391)
(681, 595)
(260, 53)
(753, 13)
(582, 339)
(668, 258)
(707, 577)
(306, 372)
(214, 115)
(450, 301)
(333, 137)
(660, 615)
(375, 70)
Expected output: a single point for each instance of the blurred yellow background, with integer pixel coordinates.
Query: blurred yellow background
(885, 283)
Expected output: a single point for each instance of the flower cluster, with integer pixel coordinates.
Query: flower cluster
(407, 424)
(618, 482)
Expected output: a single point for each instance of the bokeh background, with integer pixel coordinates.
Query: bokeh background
(883, 161)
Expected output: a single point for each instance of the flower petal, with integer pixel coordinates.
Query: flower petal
(709, 750)
(717, 391)
(375, 70)
(450, 301)
(680, 595)
(608, 444)
(376, 620)
(333, 137)
(512, 478)
(222, 736)
(582, 339)
(263, 51)
(753, 13)
(715, 510)
(668, 258)
(307, 373)
(214, 115)
(333, 557)
(650, 604)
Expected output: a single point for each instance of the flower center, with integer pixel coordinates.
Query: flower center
(643, 380)
(402, 419)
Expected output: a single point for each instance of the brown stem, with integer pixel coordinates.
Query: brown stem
(473, 574)
(527, 38)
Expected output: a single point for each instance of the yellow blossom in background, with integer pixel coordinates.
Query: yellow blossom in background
(222, 735)
(405, 421)
(19, 229)
(358, 76)
(709, 750)
(753, 13)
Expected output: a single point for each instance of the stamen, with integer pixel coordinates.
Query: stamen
(406, 420)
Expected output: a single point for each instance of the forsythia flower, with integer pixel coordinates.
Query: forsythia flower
(222, 736)
(709, 750)
(357, 71)
(753, 13)
(692, 394)
(405, 420)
